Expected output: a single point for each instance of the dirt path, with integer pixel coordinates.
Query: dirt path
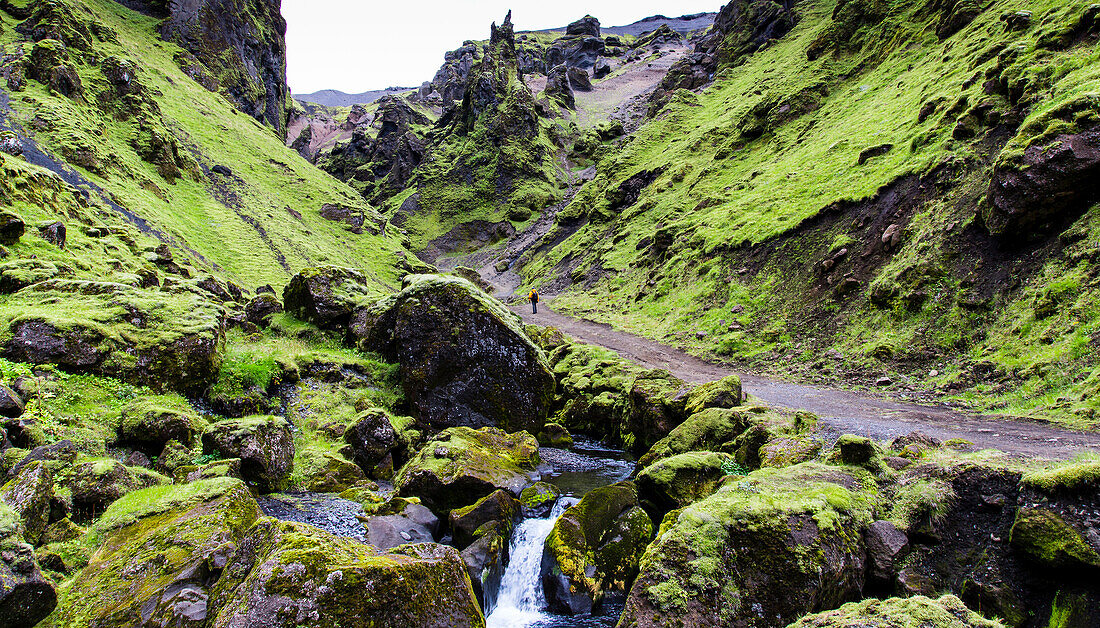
(841, 412)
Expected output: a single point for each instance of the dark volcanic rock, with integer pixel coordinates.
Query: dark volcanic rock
(242, 42)
(11, 228)
(557, 86)
(464, 357)
(325, 296)
(587, 25)
(1052, 182)
(11, 404)
(498, 506)
(26, 597)
(372, 439)
(601, 69)
(261, 307)
(263, 443)
(579, 79)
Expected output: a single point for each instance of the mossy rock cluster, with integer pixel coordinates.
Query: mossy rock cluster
(946, 612)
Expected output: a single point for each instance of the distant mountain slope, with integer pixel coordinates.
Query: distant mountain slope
(685, 24)
(336, 98)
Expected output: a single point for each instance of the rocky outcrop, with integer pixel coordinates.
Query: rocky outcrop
(242, 43)
(594, 548)
(283, 572)
(326, 295)
(164, 340)
(460, 466)
(464, 358)
(763, 550)
(1045, 186)
(11, 228)
(586, 26)
(261, 307)
(264, 445)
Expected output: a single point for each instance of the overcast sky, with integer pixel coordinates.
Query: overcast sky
(360, 45)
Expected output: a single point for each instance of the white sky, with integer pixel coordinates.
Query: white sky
(360, 45)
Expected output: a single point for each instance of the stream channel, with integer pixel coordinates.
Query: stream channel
(520, 602)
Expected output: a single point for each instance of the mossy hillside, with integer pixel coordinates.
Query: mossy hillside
(245, 223)
(750, 165)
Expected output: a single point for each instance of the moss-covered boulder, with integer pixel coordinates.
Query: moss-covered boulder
(485, 559)
(555, 435)
(683, 479)
(537, 500)
(261, 307)
(1050, 540)
(11, 403)
(464, 358)
(594, 549)
(785, 451)
(372, 440)
(264, 444)
(26, 597)
(763, 551)
(28, 494)
(159, 550)
(593, 389)
(702, 431)
(324, 471)
(148, 423)
(56, 456)
(722, 393)
(915, 612)
(461, 465)
(11, 228)
(285, 575)
(170, 340)
(499, 506)
(858, 451)
(657, 405)
(326, 296)
(95, 484)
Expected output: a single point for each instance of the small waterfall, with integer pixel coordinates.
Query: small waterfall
(521, 601)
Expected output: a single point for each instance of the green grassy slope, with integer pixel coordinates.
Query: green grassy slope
(779, 165)
(257, 225)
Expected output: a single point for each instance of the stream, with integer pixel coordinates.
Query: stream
(521, 603)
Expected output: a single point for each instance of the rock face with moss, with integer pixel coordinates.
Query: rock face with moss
(165, 340)
(264, 445)
(159, 552)
(594, 548)
(915, 612)
(763, 550)
(287, 574)
(461, 465)
(94, 485)
(464, 358)
(26, 597)
(683, 479)
(325, 296)
(28, 495)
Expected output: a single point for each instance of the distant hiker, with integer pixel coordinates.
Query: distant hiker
(534, 299)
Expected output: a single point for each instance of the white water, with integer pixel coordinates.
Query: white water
(521, 600)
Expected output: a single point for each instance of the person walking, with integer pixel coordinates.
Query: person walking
(534, 299)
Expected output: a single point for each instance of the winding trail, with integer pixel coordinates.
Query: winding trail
(841, 412)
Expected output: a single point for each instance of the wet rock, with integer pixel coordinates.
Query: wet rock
(946, 612)
(537, 500)
(464, 358)
(26, 597)
(11, 404)
(11, 228)
(554, 435)
(57, 457)
(28, 495)
(497, 506)
(683, 479)
(461, 465)
(284, 572)
(96, 484)
(594, 548)
(159, 556)
(886, 547)
(325, 296)
(485, 561)
(263, 443)
(774, 545)
(1048, 182)
(414, 524)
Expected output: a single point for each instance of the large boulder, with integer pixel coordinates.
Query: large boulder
(158, 555)
(161, 339)
(28, 494)
(702, 431)
(148, 423)
(915, 612)
(261, 307)
(372, 440)
(11, 228)
(264, 444)
(657, 405)
(286, 574)
(594, 549)
(461, 465)
(683, 479)
(11, 404)
(465, 360)
(326, 296)
(761, 551)
(499, 506)
(26, 597)
(586, 26)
